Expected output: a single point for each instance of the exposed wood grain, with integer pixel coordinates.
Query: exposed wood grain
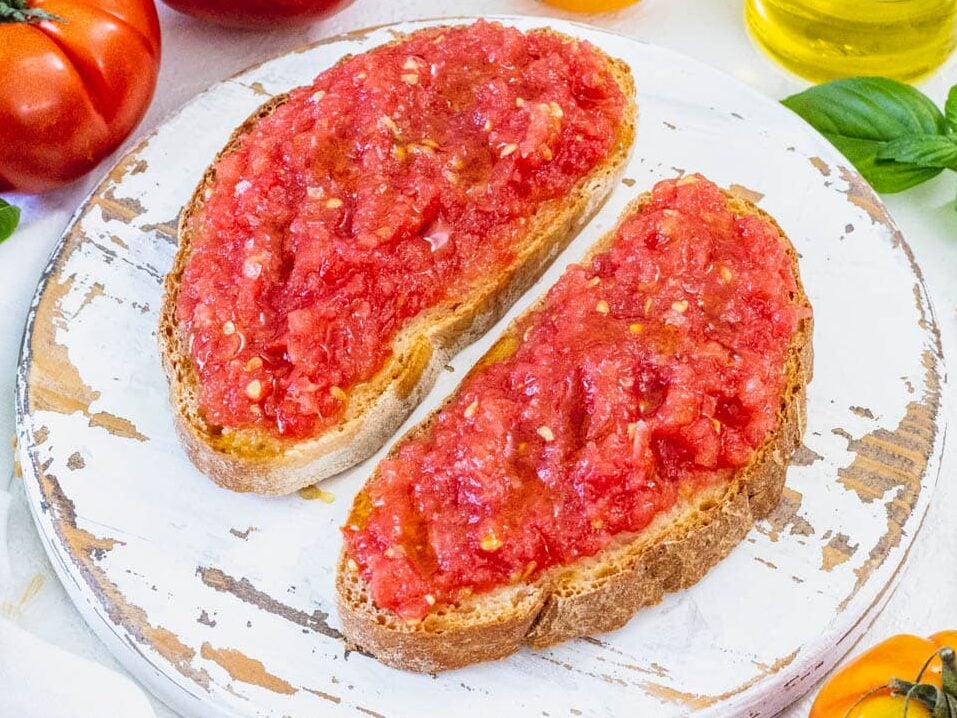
(241, 667)
(698, 702)
(246, 592)
(838, 550)
(86, 550)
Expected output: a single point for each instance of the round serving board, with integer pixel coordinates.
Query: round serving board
(223, 603)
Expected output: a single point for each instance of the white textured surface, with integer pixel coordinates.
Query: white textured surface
(712, 33)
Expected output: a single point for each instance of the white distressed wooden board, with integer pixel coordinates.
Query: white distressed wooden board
(222, 603)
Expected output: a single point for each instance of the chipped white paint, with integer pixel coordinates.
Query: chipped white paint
(749, 638)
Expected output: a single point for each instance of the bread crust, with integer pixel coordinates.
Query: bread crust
(602, 592)
(256, 461)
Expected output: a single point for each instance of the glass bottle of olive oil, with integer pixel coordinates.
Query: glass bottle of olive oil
(824, 39)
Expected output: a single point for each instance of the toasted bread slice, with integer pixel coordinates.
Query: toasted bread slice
(602, 592)
(261, 462)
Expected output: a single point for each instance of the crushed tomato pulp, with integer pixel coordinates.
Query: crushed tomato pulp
(650, 372)
(399, 179)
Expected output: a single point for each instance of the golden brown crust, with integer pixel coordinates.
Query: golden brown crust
(603, 592)
(249, 460)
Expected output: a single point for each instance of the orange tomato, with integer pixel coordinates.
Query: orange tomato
(898, 657)
(72, 86)
(591, 5)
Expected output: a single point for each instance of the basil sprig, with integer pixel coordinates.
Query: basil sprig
(9, 219)
(891, 132)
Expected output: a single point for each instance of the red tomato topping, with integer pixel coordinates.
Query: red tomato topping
(651, 371)
(398, 180)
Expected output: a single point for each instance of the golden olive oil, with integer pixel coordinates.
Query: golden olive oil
(825, 39)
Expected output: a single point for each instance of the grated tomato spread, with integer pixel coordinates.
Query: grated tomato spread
(652, 370)
(400, 178)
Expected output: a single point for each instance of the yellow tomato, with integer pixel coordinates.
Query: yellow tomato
(855, 690)
(887, 706)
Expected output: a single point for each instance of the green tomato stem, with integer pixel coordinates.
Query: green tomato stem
(948, 662)
(20, 11)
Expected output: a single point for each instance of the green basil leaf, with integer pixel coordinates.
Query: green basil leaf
(885, 176)
(950, 109)
(922, 150)
(872, 108)
(859, 115)
(9, 219)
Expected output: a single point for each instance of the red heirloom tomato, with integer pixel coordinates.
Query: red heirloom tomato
(76, 78)
(255, 14)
